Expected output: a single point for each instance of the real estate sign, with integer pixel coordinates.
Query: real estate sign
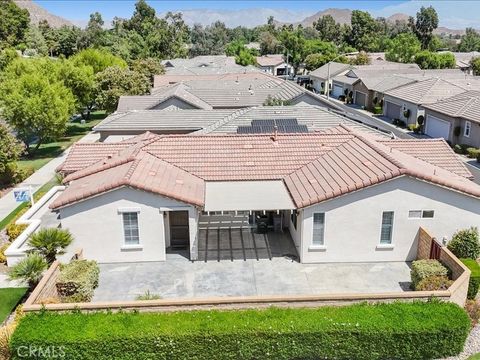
(23, 195)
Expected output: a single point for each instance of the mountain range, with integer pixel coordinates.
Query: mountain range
(38, 13)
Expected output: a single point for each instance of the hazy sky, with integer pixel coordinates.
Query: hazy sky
(453, 14)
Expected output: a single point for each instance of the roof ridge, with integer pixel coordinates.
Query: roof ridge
(174, 165)
(93, 169)
(231, 116)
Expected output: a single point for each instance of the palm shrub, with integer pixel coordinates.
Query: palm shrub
(29, 269)
(465, 243)
(50, 242)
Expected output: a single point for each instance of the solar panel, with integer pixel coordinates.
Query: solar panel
(284, 126)
(270, 122)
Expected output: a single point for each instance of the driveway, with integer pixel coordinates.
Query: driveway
(179, 278)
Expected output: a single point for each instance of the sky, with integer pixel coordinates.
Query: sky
(453, 14)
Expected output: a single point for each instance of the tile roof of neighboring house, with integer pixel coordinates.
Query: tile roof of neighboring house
(345, 79)
(223, 121)
(389, 82)
(204, 65)
(335, 69)
(314, 166)
(169, 79)
(426, 91)
(270, 60)
(465, 105)
(434, 151)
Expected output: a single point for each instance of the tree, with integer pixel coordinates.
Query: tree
(67, 40)
(465, 243)
(148, 67)
(50, 242)
(403, 48)
(430, 60)
(7, 56)
(470, 41)
(80, 80)
(10, 151)
(245, 57)
(37, 107)
(13, 23)
(364, 31)
(29, 269)
(269, 44)
(99, 60)
(49, 35)
(35, 41)
(314, 61)
(114, 82)
(362, 58)
(426, 22)
(475, 63)
(294, 45)
(94, 35)
(210, 40)
(328, 29)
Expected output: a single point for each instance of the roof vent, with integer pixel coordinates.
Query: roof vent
(179, 181)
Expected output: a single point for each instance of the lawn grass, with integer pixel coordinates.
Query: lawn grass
(474, 357)
(9, 298)
(49, 151)
(20, 209)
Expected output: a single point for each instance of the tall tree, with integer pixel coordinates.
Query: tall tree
(99, 60)
(13, 23)
(10, 151)
(426, 22)
(403, 48)
(94, 34)
(475, 62)
(294, 46)
(269, 44)
(148, 67)
(210, 40)
(35, 42)
(470, 41)
(328, 29)
(364, 31)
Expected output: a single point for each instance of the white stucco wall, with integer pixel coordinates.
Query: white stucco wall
(415, 110)
(353, 221)
(97, 225)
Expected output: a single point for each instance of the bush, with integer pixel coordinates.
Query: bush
(29, 269)
(434, 283)
(50, 242)
(461, 148)
(465, 244)
(472, 307)
(422, 269)
(377, 110)
(77, 281)
(14, 230)
(416, 330)
(474, 283)
(3, 248)
(472, 152)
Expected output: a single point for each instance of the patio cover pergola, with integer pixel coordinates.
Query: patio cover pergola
(247, 196)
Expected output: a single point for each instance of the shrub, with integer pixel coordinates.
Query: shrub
(465, 243)
(29, 269)
(148, 296)
(461, 148)
(474, 283)
(3, 248)
(422, 269)
(458, 149)
(434, 283)
(77, 281)
(14, 230)
(415, 330)
(50, 242)
(472, 307)
(411, 127)
(378, 110)
(472, 152)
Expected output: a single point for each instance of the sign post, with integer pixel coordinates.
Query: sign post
(23, 195)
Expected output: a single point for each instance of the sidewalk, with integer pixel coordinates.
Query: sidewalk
(40, 177)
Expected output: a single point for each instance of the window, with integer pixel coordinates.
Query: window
(468, 129)
(318, 229)
(387, 227)
(130, 228)
(417, 214)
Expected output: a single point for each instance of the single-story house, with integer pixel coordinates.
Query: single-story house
(123, 125)
(319, 76)
(456, 119)
(405, 102)
(274, 65)
(221, 94)
(342, 195)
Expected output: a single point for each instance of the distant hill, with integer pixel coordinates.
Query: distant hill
(37, 14)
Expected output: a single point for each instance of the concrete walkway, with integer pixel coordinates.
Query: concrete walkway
(179, 278)
(40, 177)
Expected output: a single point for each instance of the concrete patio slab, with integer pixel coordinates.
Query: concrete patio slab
(179, 278)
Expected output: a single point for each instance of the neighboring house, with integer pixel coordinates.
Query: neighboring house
(342, 195)
(408, 99)
(274, 65)
(221, 94)
(205, 65)
(170, 79)
(462, 60)
(319, 76)
(456, 119)
(121, 126)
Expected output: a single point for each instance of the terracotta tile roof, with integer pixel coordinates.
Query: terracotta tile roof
(314, 166)
(270, 60)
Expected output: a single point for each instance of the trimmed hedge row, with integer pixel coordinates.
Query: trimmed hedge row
(474, 283)
(415, 330)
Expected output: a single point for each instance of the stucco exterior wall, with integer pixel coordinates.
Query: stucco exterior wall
(97, 225)
(473, 140)
(360, 86)
(353, 221)
(415, 110)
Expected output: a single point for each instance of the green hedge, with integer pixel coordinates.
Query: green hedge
(413, 330)
(474, 283)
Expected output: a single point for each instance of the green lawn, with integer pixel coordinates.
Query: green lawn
(47, 152)
(9, 298)
(474, 357)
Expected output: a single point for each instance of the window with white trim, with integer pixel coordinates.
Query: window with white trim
(387, 228)
(318, 229)
(130, 228)
(418, 214)
(468, 129)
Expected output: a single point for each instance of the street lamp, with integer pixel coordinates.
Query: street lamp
(327, 86)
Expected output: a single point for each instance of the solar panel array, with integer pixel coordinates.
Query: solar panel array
(269, 126)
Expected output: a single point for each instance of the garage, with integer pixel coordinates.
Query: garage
(393, 110)
(437, 128)
(360, 98)
(337, 90)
